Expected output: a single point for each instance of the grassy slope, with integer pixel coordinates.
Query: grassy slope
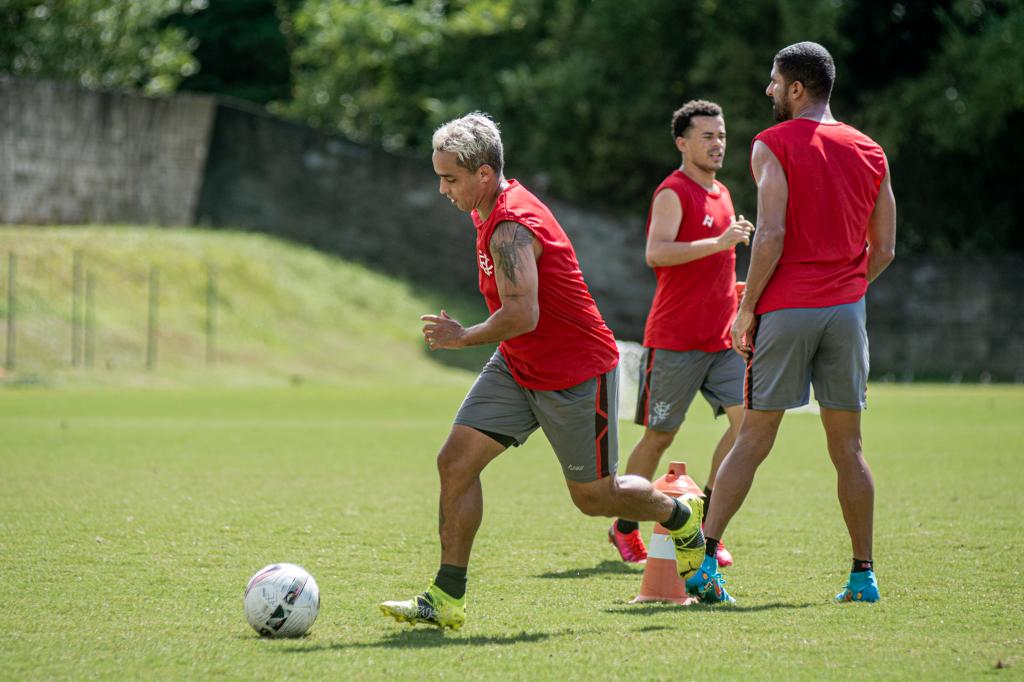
(284, 313)
(130, 521)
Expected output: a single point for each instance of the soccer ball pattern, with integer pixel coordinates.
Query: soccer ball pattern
(282, 600)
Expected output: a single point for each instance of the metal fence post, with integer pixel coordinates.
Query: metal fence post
(154, 312)
(90, 319)
(12, 308)
(211, 315)
(76, 308)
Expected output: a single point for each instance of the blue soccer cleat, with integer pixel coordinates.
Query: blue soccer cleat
(708, 584)
(862, 586)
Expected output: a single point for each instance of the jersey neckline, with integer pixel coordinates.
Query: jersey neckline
(714, 192)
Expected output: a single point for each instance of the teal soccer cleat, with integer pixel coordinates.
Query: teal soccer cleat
(862, 586)
(708, 584)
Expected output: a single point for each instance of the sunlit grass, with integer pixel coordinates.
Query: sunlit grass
(130, 521)
(282, 313)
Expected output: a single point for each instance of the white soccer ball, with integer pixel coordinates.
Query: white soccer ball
(281, 600)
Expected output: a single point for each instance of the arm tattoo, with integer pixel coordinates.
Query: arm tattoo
(507, 243)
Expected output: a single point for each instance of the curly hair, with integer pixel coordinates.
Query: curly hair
(695, 107)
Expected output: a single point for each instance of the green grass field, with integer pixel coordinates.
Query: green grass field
(130, 521)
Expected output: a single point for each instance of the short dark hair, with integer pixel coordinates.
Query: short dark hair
(695, 107)
(809, 63)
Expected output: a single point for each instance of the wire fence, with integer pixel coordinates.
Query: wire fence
(51, 319)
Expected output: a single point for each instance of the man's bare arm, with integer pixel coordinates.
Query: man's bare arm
(772, 197)
(515, 253)
(662, 248)
(882, 230)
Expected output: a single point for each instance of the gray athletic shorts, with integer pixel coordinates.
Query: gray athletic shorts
(670, 379)
(796, 347)
(580, 422)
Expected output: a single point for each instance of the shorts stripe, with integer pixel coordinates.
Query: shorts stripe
(601, 427)
(643, 405)
(748, 378)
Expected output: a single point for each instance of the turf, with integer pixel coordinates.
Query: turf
(130, 521)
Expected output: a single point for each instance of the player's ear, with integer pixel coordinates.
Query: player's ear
(681, 144)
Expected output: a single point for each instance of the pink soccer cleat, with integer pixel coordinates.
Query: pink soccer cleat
(630, 545)
(723, 555)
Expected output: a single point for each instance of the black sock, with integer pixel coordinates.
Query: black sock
(711, 548)
(452, 579)
(707, 501)
(860, 565)
(625, 527)
(679, 516)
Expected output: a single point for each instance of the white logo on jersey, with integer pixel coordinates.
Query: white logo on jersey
(485, 262)
(709, 222)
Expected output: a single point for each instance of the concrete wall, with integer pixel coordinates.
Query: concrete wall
(69, 156)
(385, 210)
(361, 203)
(950, 319)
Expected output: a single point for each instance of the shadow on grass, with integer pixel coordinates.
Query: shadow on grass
(603, 568)
(658, 607)
(427, 639)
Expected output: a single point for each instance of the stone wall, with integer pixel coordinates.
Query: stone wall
(69, 156)
(72, 156)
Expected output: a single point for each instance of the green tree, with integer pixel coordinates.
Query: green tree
(97, 43)
(950, 126)
(241, 48)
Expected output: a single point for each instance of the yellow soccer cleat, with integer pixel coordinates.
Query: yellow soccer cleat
(689, 540)
(433, 607)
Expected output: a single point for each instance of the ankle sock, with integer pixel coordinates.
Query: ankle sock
(711, 548)
(861, 565)
(679, 516)
(625, 526)
(452, 579)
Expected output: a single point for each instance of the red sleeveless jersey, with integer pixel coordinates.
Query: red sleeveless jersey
(571, 342)
(834, 172)
(695, 302)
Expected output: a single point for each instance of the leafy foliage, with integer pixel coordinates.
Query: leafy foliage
(241, 47)
(97, 43)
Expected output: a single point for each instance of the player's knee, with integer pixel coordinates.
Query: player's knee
(591, 507)
(660, 440)
(847, 454)
(449, 465)
(591, 503)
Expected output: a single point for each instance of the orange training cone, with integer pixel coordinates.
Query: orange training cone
(661, 581)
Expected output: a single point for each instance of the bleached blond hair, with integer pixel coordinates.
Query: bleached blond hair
(474, 139)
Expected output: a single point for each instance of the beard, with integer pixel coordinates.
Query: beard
(780, 110)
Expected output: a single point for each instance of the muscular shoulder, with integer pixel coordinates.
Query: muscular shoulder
(511, 231)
